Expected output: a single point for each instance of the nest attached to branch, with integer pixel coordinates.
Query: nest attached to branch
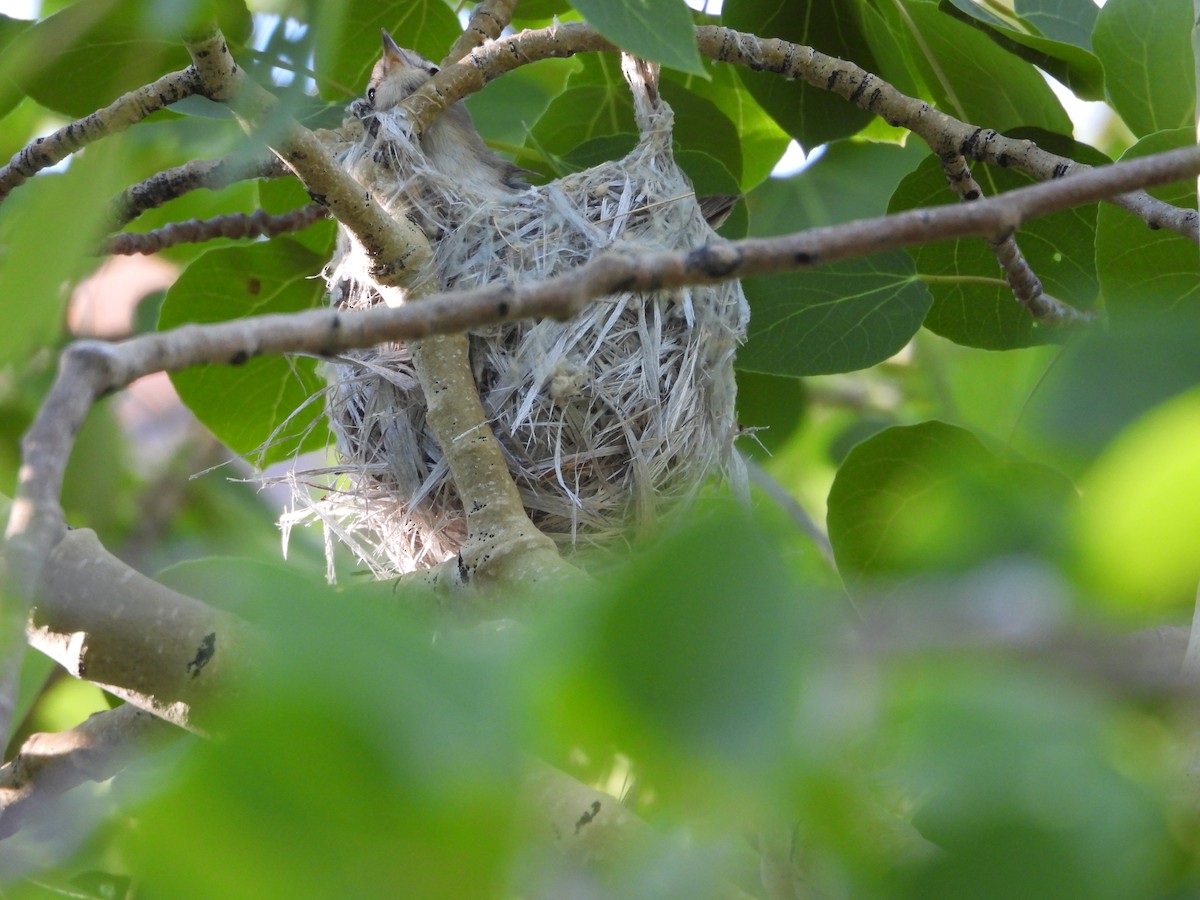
(606, 420)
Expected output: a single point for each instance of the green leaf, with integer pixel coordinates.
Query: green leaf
(931, 496)
(851, 179)
(282, 195)
(658, 30)
(1073, 66)
(83, 58)
(1147, 58)
(579, 114)
(762, 140)
(10, 91)
(972, 303)
(709, 176)
(244, 404)
(1144, 272)
(701, 126)
(348, 42)
(968, 76)
(1069, 21)
(811, 115)
(839, 318)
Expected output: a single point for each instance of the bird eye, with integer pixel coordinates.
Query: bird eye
(433, 70)
(371, 94)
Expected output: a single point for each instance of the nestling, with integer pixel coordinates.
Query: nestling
(452, 144)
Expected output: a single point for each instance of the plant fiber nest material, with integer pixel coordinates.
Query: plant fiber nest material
(606, 420)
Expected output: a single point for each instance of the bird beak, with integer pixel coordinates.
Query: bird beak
(391, 52)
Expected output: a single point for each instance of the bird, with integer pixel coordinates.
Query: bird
(451, 143)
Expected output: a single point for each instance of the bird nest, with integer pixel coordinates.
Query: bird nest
(605, 420)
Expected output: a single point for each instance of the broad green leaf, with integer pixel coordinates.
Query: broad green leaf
(930, 497)
(774, 406)
(657, 30)
(282, 195)
(1144, 272)
(1147, 58)
(1069, 21)
(579, 114)
(1073, 66)
(968, 76)
(249, 404)
(702, 127)
(851, 179)
(10, 92)
(348, 42)
(508, 107)
(809, 114)
(838, 318)
(762, 141)
(972, 303)
(86, 56)
(709, 176)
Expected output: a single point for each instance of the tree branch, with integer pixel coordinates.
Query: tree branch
(1025, 285)
(235, 225)
(488, 20)
(169, 184)
(943, 133)
(116, 117)
(48, 765)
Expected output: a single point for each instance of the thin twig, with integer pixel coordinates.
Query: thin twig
(213, 174)
(1018, 274)
(235, 225)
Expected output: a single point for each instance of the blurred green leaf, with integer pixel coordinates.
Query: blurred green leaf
(809, 114)
(1073, 66)
(972, 302)
(360, 760)
(932, 497)
(1141, 511)
(838, 318)
(252, 402)
(709, 176)
(348, 38)
(86, 56)
(1147, 60)
(1070, 21)
(58, 213)
(1019, 785)
(657, 30)
(282, 195)
(695, 652)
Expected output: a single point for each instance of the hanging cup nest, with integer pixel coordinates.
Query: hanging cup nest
(606, 420)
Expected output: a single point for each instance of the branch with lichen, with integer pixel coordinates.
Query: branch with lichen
(169, 184)
(259, 223)
(116, 117)
(943, 133)
(488, 21)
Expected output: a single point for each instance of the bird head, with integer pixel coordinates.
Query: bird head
(398, 73)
